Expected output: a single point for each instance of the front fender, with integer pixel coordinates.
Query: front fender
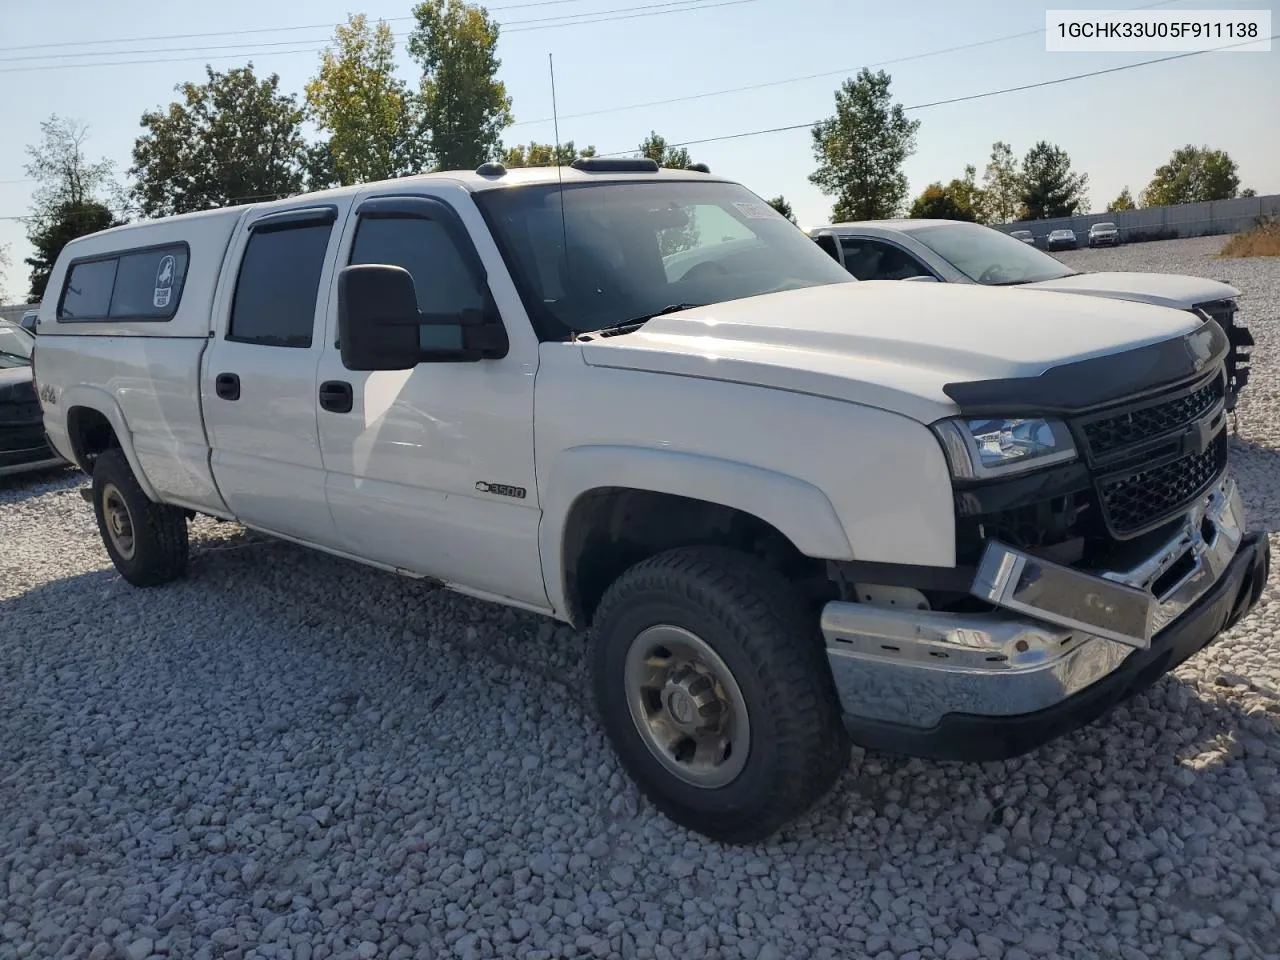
(94, 398)
(797, 509)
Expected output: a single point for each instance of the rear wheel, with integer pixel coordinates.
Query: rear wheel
(712, 684)
(147, 541)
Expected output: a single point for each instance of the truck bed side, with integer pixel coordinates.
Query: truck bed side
(132, 380)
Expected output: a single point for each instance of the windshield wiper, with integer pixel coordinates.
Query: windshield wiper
(17, 356)
(635, 323)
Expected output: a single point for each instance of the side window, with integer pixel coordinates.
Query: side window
(874, 260)
(143, 284)
(87, 294)
(897, 264)
(149, 283)
(441, 278)
(425, 249)
(279, 281)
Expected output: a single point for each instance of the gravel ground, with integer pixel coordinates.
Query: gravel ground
(291, 756)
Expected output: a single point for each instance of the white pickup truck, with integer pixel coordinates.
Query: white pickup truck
(792, 507)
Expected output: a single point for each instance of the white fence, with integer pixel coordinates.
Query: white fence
(1163, 223)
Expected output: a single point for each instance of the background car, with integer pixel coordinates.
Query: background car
(1104, 234)
(1024, 235)
(952, 251)
(23, 445)
(1061, 240)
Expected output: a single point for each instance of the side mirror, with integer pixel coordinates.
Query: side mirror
(381, 328)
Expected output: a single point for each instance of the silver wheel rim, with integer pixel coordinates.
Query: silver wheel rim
(118, 523)
(687, 706)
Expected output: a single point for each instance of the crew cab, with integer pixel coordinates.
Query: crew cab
(788, 507)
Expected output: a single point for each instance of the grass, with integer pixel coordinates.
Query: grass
(1262, 241)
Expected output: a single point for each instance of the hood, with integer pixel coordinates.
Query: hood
(884, 343)
(1162, 289)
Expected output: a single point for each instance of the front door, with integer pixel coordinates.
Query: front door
(431, 469)
(259, 374)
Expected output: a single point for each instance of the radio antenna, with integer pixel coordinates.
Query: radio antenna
(555, 119)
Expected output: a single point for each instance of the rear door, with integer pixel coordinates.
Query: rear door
(258, 378)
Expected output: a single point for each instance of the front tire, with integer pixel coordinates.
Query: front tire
(147, 541)
(712, 684)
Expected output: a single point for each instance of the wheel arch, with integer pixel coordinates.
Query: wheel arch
(94, 423)
(611, 506)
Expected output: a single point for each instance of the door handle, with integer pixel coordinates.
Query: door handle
(336, 396)
(227, 386)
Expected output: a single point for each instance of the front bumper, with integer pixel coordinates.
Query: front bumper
(1058, 650)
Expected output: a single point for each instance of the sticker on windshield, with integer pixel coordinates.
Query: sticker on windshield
(756, 211)
(164, 283)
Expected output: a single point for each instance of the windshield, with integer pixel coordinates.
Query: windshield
(635, 248)
(15, 345)
(988, 256)
(1104, 226)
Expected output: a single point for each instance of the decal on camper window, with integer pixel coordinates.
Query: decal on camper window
(164, 283)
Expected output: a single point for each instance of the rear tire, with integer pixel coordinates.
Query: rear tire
(147, 541)
(712, 646)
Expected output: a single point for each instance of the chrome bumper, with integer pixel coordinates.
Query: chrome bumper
(1056, 630)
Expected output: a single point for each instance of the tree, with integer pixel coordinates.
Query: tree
(371, 118)
(937, 202)
(465, 107)
(1193, 175)
(1121, 203)
(231, 139)
(655, 147)
(780, 204)
(62, 225)
(4, 268)
(860, 150)
(1050, 187)
(544, 154)
(1002, 186)
(1248, 192)
(70, 198)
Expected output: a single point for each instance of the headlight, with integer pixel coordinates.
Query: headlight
(996, 447)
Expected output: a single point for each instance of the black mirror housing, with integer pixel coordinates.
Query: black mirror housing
(381, 328)
(377, 317)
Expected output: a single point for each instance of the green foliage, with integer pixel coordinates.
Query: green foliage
(655, 147)
(1050, 187)
(71, 195)
(544, 154)
(1122, 203)
(1002, 186)
(937, 202)
(59, 227)
(957, 200)
(1193, 175)
(860, 151)
(5, 263)
(1248, 192)
(465, 107)
(370, 117)
(780, 204)
(232, 139)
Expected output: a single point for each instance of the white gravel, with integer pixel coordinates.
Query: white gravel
(290, 756)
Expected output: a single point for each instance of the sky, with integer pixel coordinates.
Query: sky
(98, 68)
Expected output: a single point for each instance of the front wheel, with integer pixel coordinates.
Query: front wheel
(712, 684)
(147, 541)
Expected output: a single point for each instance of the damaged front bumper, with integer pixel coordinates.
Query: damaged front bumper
(1060, 647)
